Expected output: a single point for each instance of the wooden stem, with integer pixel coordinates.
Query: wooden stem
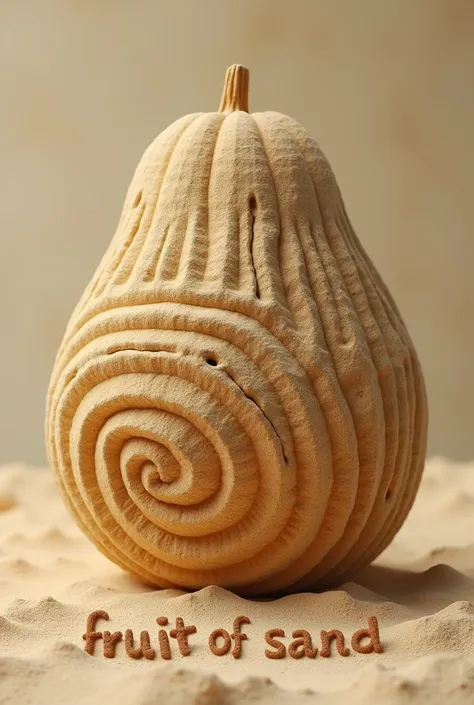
(235, 95)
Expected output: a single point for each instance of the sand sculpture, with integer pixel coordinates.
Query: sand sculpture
(237, 400)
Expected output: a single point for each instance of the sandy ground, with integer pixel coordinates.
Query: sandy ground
(421, 590)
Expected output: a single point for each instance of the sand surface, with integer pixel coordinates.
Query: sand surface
(421, 590)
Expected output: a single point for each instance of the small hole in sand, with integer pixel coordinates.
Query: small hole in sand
(388, 494)
(211, 361)
(137, 200)
(252, 204)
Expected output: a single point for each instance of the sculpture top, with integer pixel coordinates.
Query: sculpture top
(235, 95)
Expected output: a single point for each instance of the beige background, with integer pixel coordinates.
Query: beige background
(385, 86)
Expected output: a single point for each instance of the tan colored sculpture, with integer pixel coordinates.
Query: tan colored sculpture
(236, 400)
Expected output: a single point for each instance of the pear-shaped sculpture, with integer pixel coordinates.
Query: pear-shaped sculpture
(237, 400)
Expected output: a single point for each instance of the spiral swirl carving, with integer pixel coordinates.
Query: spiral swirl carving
(168, 452)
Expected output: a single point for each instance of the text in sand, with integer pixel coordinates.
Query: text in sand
(221, 641)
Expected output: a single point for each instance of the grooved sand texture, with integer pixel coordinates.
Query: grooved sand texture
(236, 400)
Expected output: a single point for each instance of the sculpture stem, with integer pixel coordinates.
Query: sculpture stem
(235, 95)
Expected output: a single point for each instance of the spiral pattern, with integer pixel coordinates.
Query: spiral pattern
(170, 464)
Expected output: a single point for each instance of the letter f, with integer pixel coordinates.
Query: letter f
(91, 636)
